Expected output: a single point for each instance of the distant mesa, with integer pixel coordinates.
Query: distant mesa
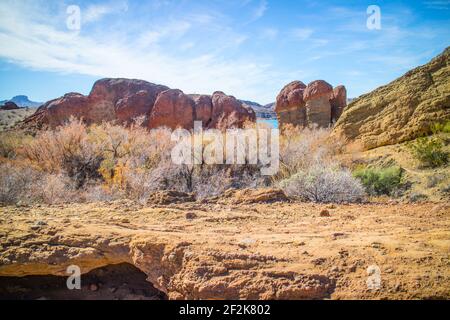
(124, 100)
(316, 104)
(402, 110)
(22, 101)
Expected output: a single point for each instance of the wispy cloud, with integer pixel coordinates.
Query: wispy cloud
(202, 46)
(260, 10)
(438, 4)
(41, 46)
(269, 33)
(302, 33)
(96, 12)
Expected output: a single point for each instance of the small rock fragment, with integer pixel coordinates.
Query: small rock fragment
(324, 213)
(191, 216)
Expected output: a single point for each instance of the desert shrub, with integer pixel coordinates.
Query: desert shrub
(429, 151)
(302, 148)
(55, 189)
(324, 184)
(380, 181)
(441, 127)
(65, 150)
(436, 179)
(11, 142)
(25, 184)
(15, 182)
(96, 192)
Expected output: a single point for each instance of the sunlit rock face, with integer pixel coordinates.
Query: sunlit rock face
(124, 100)
(315, 104)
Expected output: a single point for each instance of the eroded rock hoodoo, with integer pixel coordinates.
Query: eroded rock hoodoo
(315, 104)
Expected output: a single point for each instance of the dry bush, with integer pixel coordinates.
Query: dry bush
(15, 182)
(324, 184)
(310, 167)
(21, 183)
(11, 142)
(55, 189)
(303, 148)
(65, 150)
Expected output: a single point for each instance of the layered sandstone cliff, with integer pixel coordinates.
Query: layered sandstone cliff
(402, 110)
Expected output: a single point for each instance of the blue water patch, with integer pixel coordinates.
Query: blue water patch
(271, 122)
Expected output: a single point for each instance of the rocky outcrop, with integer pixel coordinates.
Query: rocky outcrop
(203, 109)
(197, 250)
(338, 103)
(124, 100)
(173, 109)
(314, 105)
(228, 112)
(402, 110)
(317, 98)
(290, 106)
(249, 196)
(9, 105)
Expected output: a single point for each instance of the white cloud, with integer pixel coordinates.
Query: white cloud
(260, 10)
(302, 33)
(96, 12)
(173, 30)
(269, 33)
(40, 46)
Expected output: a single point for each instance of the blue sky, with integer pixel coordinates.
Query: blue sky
(247, 48)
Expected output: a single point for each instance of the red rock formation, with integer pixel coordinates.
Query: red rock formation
(313, 105)
(318, 108)
(290, 106)
(203, 109)
(123, 100)
(338, 102)
(172, 109)
(9, 105)
(228, 112)
(134, 106)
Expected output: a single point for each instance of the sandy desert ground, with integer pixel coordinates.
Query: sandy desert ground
(228, 249)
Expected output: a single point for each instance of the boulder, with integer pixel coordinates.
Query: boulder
(290, 106)
(134, 106)
(228, 112)
(338, 103)
(124, 100)
(314, 105)
(203, 109)
(318, 108)
(170, 196)
(172, 109)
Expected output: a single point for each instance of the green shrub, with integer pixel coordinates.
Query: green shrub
(441, 127)
(429, 151)
(378, 181)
